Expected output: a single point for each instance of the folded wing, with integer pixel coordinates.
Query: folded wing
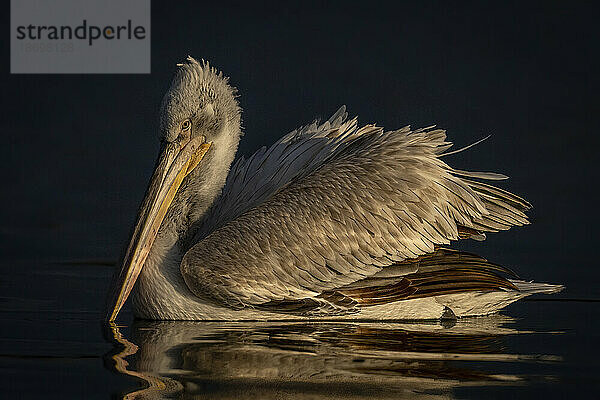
(335, 204)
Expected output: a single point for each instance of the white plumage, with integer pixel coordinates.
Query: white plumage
(334, 220)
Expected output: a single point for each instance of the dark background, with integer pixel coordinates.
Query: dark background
(78, 149)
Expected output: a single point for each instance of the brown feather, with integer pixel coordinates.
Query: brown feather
(443, 272)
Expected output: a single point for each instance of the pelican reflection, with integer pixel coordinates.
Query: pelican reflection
(225, 360)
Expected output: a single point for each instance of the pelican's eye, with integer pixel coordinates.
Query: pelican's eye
(186, 125)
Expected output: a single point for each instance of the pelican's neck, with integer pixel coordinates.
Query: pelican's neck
(202, 187)
(160, 290)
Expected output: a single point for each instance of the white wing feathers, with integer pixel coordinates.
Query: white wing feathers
(297, 154)
(332, 204)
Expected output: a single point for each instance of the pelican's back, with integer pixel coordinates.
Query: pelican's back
(314, 226)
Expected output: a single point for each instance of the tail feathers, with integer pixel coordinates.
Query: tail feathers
(535, 287)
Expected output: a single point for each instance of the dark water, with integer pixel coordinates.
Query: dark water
(78, 150)
(54, 346)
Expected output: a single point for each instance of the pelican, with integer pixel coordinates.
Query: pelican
(333, 221)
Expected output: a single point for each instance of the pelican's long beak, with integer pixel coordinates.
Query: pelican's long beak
(175, 162)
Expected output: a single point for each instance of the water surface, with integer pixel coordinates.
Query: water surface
(54, 346)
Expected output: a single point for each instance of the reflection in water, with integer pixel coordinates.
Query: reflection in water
(270, 360)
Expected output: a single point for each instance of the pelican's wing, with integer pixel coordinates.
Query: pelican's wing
(251, 181)
(375, 199)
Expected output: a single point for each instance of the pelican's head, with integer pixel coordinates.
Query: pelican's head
(199, 102)
(199, 116)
